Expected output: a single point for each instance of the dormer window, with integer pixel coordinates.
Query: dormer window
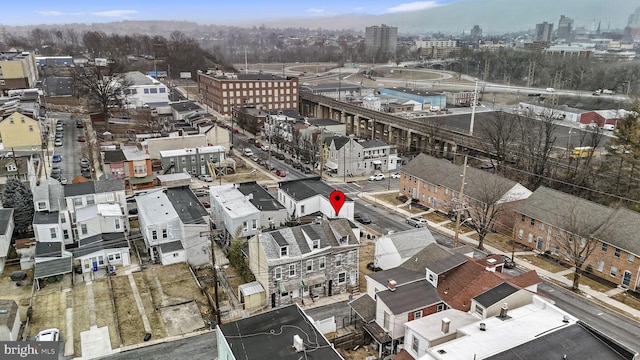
(284, 251)
(11, 167)
(316, 244)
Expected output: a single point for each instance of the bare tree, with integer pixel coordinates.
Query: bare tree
(104, 92)
(500, 133)
(536, 141)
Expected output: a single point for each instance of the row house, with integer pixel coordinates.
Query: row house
(21, 131)
(244, 209)
(309, 198)
(250, 119)
(175, 226)
(22, 168)
(358, 157)
(307, 262)
(436, 183)
(195, 161)
(223, 92)
(130, 164)
(551, 221)
(18, 69)
(6, 235)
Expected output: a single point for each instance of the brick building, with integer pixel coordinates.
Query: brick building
(549, 218)
(224, 91)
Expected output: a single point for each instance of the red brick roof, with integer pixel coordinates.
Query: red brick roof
(524, 280)
(458, 286)
(403, 355)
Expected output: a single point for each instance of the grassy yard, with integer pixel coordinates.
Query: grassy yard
(499, 241)
(591, 283)
(80, 316)
(49, 306)
(367, 250)
(153, 314)
(390, 198)
(177, 284)
(104, 310)
(543, 263)
(463, 229)
(627, 300)
(435, 217)
(129, 318)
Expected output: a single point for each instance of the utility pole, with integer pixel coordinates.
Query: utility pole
(460, 206)
(211, 235)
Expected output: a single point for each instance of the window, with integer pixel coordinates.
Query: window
(309, 265)
(30, 127)
(146, 91)
(284, 250)
(110, 197)
(522, 217)
(417, 314)
(254, 224)
(153, 90)
(116, 224)
(113, 257)
(277, 273)
(532, 222)
(520, 234)
(479, 310)
(164, 234)
(441, 307)
(616, 252)
(530, 237)
(600, 265)
(316, 244)
(91, 199)
(541, 226)
(339, 260)
(386, 319)
(292, 269)
(162, 90)
(65, 234)
(613, 271)
(603, 247)
(77, 201)
(321, 263)
(42, 205)
(342, 277)
(245, 226)
(54, 233)
(301, 209)
(630, 258)
(84, 230)
(415, 344)
(154, 235)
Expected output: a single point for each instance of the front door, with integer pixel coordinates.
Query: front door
(352, 277)
(626, 278)
(305, 291)
(273, 300)
(414, 193)
(539, 243)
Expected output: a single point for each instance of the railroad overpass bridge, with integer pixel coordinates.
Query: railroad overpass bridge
(445, 133)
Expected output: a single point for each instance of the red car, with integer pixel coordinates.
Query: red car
(205, 204)
(81, 139)
(281, 173)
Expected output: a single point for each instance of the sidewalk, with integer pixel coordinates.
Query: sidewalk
(557, 278)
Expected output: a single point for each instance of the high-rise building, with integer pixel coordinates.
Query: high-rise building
(543, 32)
(476, 32)
(381, 39)
(565, 27)
(633, 26)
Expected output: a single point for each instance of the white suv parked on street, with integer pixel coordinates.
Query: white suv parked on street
(417, 221)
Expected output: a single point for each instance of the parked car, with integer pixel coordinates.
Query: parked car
(550, 89)
(280, 156)
(417, 221)
(288, 161)
(201, 192)
(81, 139)
(395, 175)
(376, 177)
(308, 170)
(56, 158)
(84, 166)
(281, 173)
(206, 178)
(265, 147)
(362, 218)
(58, 142)
(206, 204)
(133, 211)
(247, 152)
(84, 161)
(489, 166)
(508, 262)
(48, 335)
(63, 181)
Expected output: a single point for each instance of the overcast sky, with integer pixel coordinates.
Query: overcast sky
(36, 12)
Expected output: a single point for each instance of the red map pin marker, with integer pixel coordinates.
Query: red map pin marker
(337, 200)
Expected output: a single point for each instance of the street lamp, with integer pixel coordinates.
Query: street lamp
(473, 108)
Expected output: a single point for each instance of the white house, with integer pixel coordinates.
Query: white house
(310, 197)
(100, 218)
(174, 226)
(394, 249)
(233, 211)
(145, 91)
(101, 251)
(359, 157)
(6, 233)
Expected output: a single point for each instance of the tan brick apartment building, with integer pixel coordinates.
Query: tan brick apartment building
(224, 91)
(436, 183)
(616, 256)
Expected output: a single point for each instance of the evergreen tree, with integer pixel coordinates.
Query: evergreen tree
(18, 196)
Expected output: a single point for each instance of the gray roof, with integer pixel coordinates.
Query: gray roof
(373, 144)
(48, 249)
(323, 122)
(53, 267)
(495, 294)
(187, 205)
(185, 106)
(100, 242)
(138, 78)
(262, 199)
(413, 91)
(171, 247)
(339, 141)
(58, 86)
(448, 263)
(480, 184)
(5, 218)
(251, 288)
(305, 188)
(621, 230)
(364, 306)
(52, 191)
(570, 213)
(21, 165)
(400, 275)
(426, 257)
(94, 187)
(269, 335)
(113, 156)
(576, 341)
(42, 217)
(412, 296)
(410, 242)
(334, 86)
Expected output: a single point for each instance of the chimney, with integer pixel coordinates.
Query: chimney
(503, 310)
(445, 325)
(250, 196)
(391, 285)
(483, 327)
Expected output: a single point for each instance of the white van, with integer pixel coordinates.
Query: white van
(609, 127)
(247, 152)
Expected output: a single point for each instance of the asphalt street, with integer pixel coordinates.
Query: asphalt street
(71, 150)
